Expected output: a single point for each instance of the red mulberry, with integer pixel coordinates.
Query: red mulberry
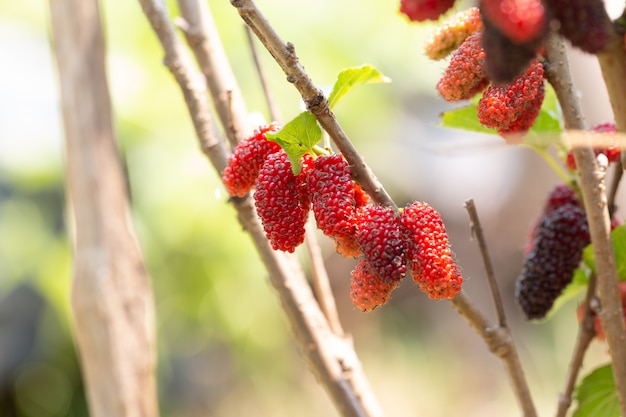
(452, 32)
(465, 75)
(368, 290)
(428, 253)
(333, 201)
(379, 235)
(420, 10)
(246, 161)
(548, 268)
(513, 108)
(519, 20)
(280, 202)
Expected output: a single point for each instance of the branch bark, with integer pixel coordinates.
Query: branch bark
(595, 201)
(330, 357)
(112, 298)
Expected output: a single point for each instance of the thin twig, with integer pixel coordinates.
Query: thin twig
(284, 54)
(586, 332)
(321, 282)
(477, 231)
(617, 173)
(595, 201)
(331, 358)
(267, 92)
(203, 39)
(500, 342)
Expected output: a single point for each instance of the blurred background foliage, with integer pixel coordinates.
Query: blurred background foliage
(225, 348)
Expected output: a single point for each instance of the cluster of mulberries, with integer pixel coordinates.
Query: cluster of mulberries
(389, 244)
(608, 147)
(556, 249)
(511, 107)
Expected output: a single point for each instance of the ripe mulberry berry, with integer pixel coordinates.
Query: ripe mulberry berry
(368, 290)
(428, 253)
(420, 10)
(379, 235)
(610, 149)
(517, 130)
(513, 108)
(465, 75)
(452, 32)
(520, 21)
(549, 266)
(280, 202)
(504, 59)
(246, 161)
(585, 23)
(333, 201)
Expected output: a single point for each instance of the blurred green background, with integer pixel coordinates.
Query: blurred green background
(225, 348)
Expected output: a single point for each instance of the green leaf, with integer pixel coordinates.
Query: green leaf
(465, 118)
(351, 78)
(597, 396)
(298, 137)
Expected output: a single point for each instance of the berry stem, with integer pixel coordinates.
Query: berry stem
(332, 359)
(594, 197)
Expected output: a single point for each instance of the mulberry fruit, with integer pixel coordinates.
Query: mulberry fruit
(465, 76)
(368, 290)
(520, 21)
(610, 149)
(585, 23)
(513, 108)
(246, 161)
(428, 253)
(281, 203)
(420, 10)
(548, 268)
(452, 32)
(504, 59)
(380, 238)
(333, 200)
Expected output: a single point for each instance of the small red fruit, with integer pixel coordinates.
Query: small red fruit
(368, 290)
(420, 10)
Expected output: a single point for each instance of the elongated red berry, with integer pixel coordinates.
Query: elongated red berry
(513, 108)
(333, 201)
(380, 238)
(368, 290)
(428, 252)
(420, 10)
(451, 33)
(519, 20)
(465, 75)
(549, 266)
(246, 161)
(281, 203)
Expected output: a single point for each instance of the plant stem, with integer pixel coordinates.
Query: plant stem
(594, 197)
(331, 358)
(477, 231)
(203, 39)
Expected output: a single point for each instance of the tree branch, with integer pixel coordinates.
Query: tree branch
(112, 301)
(594, 197)
(330, 357)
